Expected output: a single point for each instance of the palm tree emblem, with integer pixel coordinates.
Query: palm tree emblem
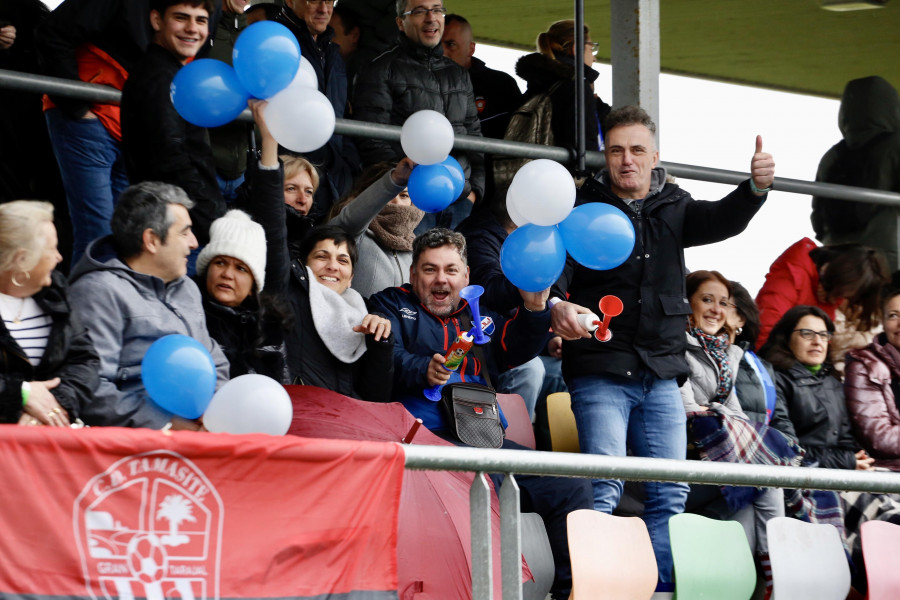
(175, 509)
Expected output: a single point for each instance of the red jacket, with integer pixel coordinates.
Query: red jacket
(871, 403)
(792, 281)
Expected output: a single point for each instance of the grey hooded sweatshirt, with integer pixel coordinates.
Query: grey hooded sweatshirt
(125, 312)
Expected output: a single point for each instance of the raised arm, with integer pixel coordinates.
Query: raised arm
(356, 217)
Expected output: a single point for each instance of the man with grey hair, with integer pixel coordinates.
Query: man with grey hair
(412, 76)
(625, 393)
(426, 316)
(130, 289)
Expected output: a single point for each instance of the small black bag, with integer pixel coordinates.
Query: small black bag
(473, 414)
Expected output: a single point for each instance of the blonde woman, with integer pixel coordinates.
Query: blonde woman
(49, 368)
(552, 69)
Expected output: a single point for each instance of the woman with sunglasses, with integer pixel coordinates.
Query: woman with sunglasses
(552, 69)
(798, 348)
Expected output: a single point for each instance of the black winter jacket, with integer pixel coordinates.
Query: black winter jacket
(231, 141)
(409, 78)
(752, 397)
(121, 28)
(69, 355)
(649, 334)
(252, 335)
(541, 72)
(868, 156)
(337, 160)
(818, 411)
(497, 95)
(310, 362)
(159, 145)
(484, 240)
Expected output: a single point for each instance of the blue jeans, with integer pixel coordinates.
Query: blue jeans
(93, 173)
(645, 415)
(525, 380)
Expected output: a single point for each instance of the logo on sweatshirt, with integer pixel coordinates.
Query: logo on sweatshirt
(408, 313)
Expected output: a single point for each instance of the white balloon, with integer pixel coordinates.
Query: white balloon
(543, 192)
(300, 119)
(250, 404)
(513, 210)
(306, 76)
(427, 137)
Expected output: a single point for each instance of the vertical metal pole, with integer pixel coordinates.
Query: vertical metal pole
(510, 539)
(579, 86)
(480, 514)
(634, 31)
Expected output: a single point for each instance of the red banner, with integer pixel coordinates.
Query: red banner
(119, 513)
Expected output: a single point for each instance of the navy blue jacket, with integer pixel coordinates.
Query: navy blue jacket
(419, 334)
(337, 159)
(484, 239)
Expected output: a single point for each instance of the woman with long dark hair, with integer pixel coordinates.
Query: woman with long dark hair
(848, 277)
(798, 348)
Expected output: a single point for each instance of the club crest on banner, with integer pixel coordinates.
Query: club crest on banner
(150, 526)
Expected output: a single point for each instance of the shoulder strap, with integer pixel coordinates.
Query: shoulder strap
(466, 322)
(768, 384)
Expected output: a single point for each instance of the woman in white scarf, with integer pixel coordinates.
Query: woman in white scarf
(336, 343)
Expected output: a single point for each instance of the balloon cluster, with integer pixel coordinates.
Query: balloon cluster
(438, 179)
(540, 202)
(267, 64)
(179, 375)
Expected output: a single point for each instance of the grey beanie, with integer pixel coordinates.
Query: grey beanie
(238, 236)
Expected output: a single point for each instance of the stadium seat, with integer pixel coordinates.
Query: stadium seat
(808, 560)
(881, 547)
(612, 557)
(712, 559)
(519, 427)
(538, 555)
(563, 432)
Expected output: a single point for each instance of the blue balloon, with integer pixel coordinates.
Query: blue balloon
(179, 375)
(459, 176)
(266, 58)
(533, 257)
(207, 93)
(431, 187)
(598, 236)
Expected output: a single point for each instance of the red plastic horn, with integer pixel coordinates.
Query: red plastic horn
(610, 306)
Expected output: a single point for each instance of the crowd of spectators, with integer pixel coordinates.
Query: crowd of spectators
(318, 270)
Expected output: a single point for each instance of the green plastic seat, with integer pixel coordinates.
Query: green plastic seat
(712, 559)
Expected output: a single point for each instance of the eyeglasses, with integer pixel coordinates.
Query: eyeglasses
(438, 12)
(331, 3)
(809, 334)
(595, 47)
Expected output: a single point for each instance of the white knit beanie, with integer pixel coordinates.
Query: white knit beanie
(238, 236)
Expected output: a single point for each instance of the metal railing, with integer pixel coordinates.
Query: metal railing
(511, 462)
(27, 82)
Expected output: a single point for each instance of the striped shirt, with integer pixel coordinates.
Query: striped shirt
(28, 325)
